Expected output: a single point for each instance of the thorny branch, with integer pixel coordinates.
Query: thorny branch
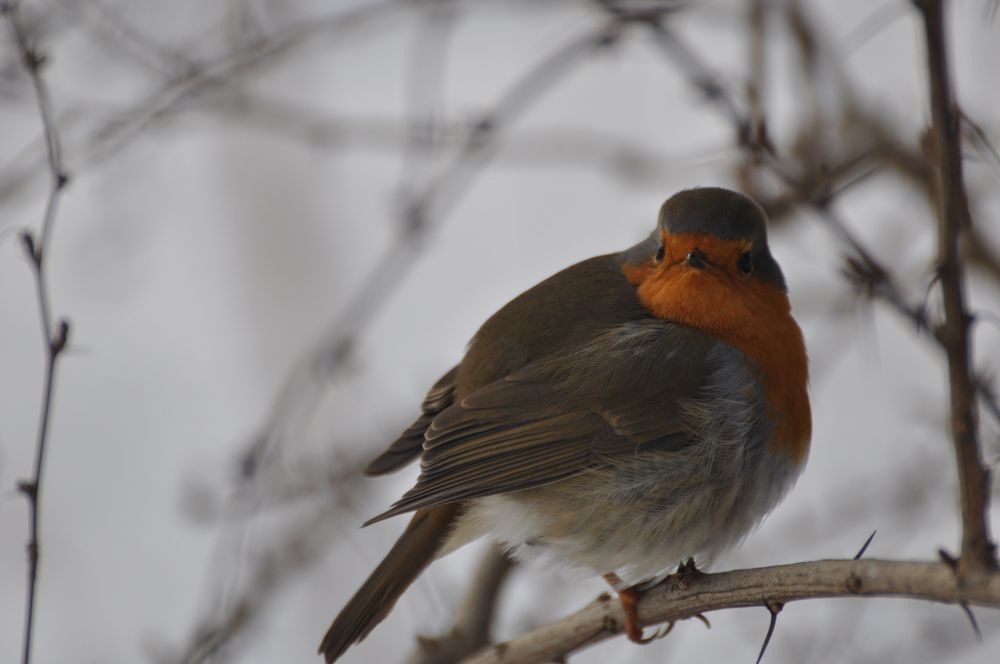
(671, 601)
(977, 553)
(56, 337)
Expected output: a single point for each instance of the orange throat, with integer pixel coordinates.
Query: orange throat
(749, 314)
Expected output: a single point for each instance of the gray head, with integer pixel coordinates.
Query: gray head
(727, 215)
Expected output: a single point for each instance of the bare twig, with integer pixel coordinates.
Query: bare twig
(195, 82)
(603, 618)
(978, 551)
(420, 215)
(322, 490)
(56, 336)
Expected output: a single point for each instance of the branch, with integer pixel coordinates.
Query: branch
(55, 337)
(669, 601)
(978, 550)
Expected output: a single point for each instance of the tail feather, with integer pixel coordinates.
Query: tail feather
(414, 550)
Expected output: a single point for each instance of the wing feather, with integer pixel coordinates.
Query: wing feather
(559, 417)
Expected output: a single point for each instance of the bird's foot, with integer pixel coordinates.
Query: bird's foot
(629, 598)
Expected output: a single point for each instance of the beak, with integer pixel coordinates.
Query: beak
(697, 259)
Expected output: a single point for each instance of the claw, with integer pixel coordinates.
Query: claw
(662, 631)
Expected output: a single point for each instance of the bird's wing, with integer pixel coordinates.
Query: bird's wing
(621, 394)
(409, 444)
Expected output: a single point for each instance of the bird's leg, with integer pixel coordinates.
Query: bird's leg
(629, 597)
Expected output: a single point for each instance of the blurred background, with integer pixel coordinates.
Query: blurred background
(286, 219)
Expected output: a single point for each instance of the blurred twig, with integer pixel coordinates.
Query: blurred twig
(55, 336)
(189, 85)
(315, 495)
(420, 213)
(978, 551)
(471, 631)
(562, 146)
(121, 37)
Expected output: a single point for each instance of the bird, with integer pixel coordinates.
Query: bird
(633, 410)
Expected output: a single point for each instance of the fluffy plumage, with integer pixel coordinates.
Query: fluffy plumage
(631, 411)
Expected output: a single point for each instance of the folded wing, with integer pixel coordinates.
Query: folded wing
(621, 394)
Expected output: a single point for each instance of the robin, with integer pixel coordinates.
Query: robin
(633, 410)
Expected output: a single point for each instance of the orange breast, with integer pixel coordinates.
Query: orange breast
(752, 315)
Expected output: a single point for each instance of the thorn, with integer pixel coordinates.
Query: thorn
(28, 488)
(934, 280)
(61, 337)
(948, 559)
(952, 562)
(62, 179)
(703, 619)
(972, 620)
(682, 578)
(864, 547)
(774, 608)
(28, 242)
(688, 571)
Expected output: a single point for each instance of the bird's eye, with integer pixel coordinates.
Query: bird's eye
(660, 253)
(745, 262)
